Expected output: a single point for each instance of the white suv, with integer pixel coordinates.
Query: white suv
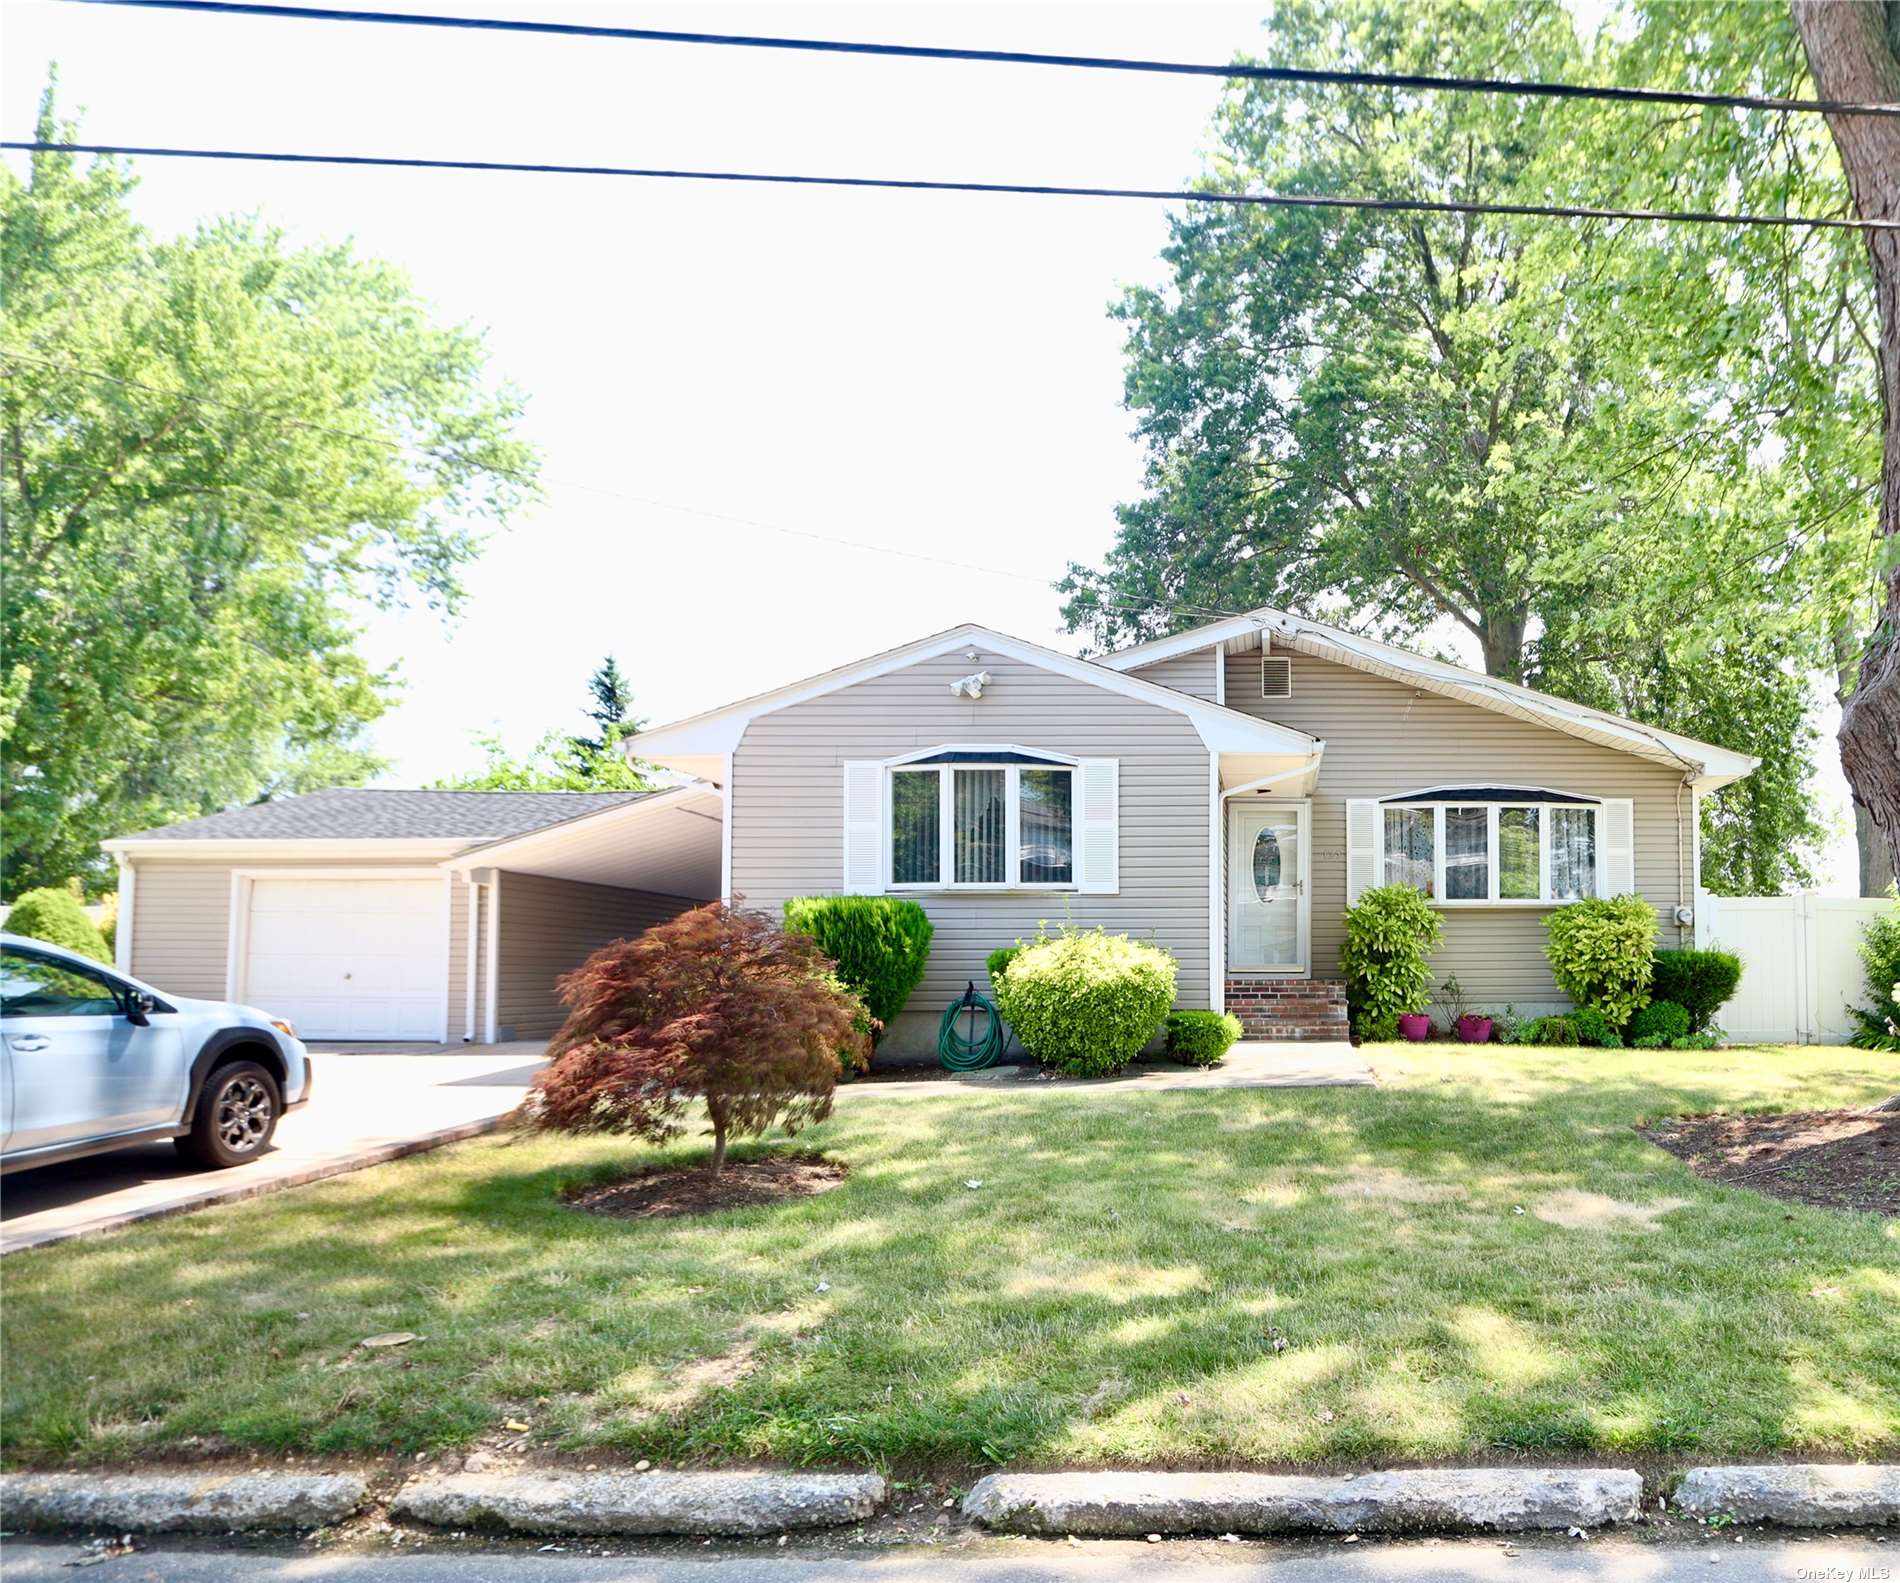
(94, 1060)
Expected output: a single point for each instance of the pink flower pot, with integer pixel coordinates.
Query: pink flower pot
(1474, 1030)
(1416, 1026)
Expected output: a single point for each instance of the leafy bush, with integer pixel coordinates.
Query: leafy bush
(1549, 1030)
(1661, 1020)
(1380, 1029)
(996, 964)
(1701, 982)
(1506, 1025)
(880, 944)
(1602, 953)
(55, 916)
(1880, 951)
(1201, 1038)
(1086, 1001)
(1389, 931)
(715, 1004)
(1594, 1029)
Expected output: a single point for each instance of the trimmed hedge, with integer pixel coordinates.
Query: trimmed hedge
(880, 944)
(1701, 982)
(1086, 1002)
(1389, 931)
(56, 917)
(1659, 1024)
(1201, 1038)
(1602, 953)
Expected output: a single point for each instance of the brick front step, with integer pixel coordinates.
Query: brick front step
(1289, 1008)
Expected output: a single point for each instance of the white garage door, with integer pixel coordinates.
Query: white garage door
(349, 958)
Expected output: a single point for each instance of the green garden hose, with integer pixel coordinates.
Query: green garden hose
(964, 1049)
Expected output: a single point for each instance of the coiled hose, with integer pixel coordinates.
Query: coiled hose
(964, 1049)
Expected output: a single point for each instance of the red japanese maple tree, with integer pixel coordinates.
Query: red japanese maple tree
(717, 1005)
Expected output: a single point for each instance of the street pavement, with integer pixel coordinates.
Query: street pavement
(1612, 1559)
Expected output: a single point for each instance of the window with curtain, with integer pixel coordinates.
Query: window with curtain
(1009, 823)
(1409, 847)
(1467, 854)
(1573, 853)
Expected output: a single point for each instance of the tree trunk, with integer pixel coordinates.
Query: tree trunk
(1876, 856)
(1853, 49)
(716, 1109)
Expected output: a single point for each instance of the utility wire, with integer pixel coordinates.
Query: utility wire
(529, 478)
(1272, 200)
(1235, 70)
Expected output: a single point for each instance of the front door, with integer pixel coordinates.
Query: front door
(1266, 887)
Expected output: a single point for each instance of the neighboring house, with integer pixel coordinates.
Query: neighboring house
(1225, 792)
(408, 915)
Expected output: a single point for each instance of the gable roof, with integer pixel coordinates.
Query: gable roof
(1710, 766)
(373, 814)
(699, 743)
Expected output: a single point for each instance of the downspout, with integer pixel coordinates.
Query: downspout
(470, 951)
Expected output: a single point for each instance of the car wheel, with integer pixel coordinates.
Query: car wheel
(237, 1113)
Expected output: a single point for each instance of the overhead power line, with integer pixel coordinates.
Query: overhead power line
(1270, 200)
(1240, 71)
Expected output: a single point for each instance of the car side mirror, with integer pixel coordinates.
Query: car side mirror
(139, 1007)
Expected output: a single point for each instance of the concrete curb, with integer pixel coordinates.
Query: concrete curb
(154, 1503)
(1418, 1500)
(236, 1192)
(733, 1504)
(1798, 1494)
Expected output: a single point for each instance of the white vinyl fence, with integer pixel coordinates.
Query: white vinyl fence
(1801, 964)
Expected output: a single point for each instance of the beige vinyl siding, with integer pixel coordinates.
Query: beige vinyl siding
(1383, 738)
(458, 963)
(1186, 673)
(788, 810)
(549, 927)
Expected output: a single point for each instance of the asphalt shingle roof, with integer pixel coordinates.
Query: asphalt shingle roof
(357, 813)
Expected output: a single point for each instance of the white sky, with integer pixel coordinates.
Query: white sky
(916, 371)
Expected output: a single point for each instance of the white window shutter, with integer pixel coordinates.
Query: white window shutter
(1098, 826)
(1362, 846)
(863, 827)
(1617, 848)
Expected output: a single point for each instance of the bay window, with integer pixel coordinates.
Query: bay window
(1484, 845)
(996, 825)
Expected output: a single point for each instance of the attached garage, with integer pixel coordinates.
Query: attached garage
(398, 916)
(346, 958)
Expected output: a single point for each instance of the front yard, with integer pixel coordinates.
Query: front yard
(1480, 1258)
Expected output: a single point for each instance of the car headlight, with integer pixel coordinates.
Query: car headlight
(283, 1027)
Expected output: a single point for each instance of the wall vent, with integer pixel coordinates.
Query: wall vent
(1276, 676)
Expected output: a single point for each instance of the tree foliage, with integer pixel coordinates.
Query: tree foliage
(219, 449)
(559, 761)
(1631, 463)
(715, 1005)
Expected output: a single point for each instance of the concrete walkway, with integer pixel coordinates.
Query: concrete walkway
(1253, 1063)
(369, 1103)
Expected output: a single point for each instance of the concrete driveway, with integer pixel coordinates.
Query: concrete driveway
(369, 1102)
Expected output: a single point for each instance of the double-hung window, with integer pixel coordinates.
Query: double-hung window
(1484, 845)
(970, 821)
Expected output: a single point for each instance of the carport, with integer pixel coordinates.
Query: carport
(535, 906)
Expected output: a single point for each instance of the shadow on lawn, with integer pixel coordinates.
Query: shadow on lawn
(1199, 1277)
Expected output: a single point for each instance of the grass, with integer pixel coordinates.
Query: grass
(1266, 1277)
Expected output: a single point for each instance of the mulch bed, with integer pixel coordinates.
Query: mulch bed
(1838, 1159)
(744, 1184)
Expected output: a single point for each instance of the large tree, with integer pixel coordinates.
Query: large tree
(1548, 434)
(1853, 47)
(561, 762)
(218, 450)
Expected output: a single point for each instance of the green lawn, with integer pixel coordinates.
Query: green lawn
(1267, 1277)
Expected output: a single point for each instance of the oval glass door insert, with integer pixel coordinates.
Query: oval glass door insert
(1266, 863)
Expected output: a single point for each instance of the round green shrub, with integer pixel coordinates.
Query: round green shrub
(1602, 953)
(1390, 930)
(56, 917)
(996, 964)
(1594, 1029)
(1880, 952)
(1700, 982)
(1085, 1002)
(1662, 1020)
(880, 944)
(1201, 1038)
